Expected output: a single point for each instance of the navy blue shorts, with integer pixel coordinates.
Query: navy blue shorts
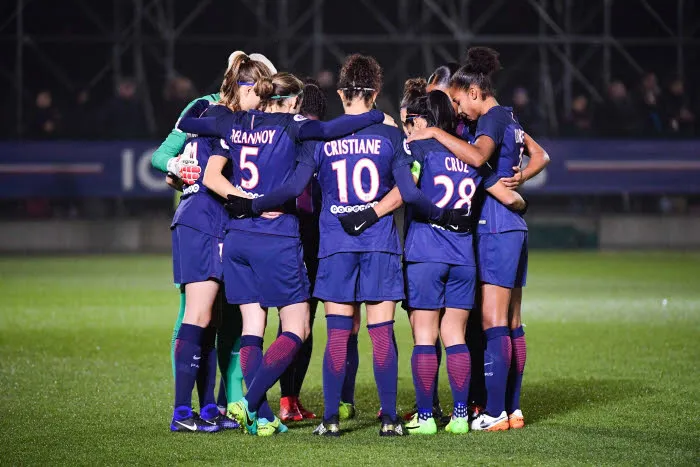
(359, 277)
(502, 258)
(431, 286)
(265, 269)
(196, 256)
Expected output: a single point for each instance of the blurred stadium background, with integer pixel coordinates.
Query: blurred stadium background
(90, 89)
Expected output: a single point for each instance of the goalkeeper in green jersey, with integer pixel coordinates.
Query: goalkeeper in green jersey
(167, 159)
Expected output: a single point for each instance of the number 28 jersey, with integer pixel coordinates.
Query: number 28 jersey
(451, 184)
(354, 173)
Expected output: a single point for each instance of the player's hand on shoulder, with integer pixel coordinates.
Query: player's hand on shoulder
(418, 134)
(200, 106)
(357, 222)
(456, 220)
(389, 120)
(515, 181)
(239, 208)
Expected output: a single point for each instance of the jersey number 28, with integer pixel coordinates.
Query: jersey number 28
(465, 197)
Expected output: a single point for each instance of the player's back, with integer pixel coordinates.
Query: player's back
(264, 155)
(448, 183)
(500, 124)
(354, 173)
(199, 207)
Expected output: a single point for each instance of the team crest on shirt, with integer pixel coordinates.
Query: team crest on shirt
(299, 118)
(405, 146)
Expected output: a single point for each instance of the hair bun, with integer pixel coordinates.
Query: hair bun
(482, 60)
(415, 85)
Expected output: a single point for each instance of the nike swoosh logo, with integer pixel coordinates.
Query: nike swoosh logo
(454, 226)
(192, 427)
(358, 227)
(248, 421)
(196, 358)
(209, 422)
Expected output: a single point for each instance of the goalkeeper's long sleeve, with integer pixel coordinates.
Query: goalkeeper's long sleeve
(172, 145)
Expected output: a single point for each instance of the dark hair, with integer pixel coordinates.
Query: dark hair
(481, 63)
(313, 104)
(436, 108)
(360, 76)
(281, 86)
(241, 70)
(442, 74)
(413, 88)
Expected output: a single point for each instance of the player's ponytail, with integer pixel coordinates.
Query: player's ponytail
(481, 63)
(313, 102)
(360, 76)
(436, 109)
(242, 71)
(264, 88)
(413, 88)
(442, 75)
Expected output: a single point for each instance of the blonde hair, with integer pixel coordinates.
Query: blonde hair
(242, 70)
(279, 87)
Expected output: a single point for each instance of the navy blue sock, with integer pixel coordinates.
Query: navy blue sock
(386, 366)
(496, 366)
(335, 362)
(188, 355)
(206, 377)
(251, 359)
(276, 360)
(352, 362)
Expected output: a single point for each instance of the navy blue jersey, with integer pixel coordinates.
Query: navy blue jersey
(500, 125)
(354, 173)
(200, 208)
(264, 153)
(448, 183)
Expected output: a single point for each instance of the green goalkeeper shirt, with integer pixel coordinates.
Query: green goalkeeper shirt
(173, 144)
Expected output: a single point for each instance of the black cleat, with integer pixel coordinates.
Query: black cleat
(193, 424)
(329, 427)
(391, 427)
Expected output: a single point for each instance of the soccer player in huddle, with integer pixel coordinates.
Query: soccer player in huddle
(440, 266)
(501, 234)
(197, 233)
(263, 257)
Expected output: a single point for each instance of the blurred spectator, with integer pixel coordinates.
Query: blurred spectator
(580, 123)
(179, 91)
(123, 116)
(527, 113)
(649, 102)
(46, 119)
(80, 117)
(618, 115)
(680, 119)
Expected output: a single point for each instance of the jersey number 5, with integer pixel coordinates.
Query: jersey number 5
(464, 197)
(341, 170)
(252, 181)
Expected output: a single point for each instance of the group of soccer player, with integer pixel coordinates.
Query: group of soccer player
(285, 210)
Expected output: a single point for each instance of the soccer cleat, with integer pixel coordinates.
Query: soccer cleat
(516, 420)
(390, 427)
(289, 410)
(269, 428)
(239, 412)
(408, 415)
(186, 421)
(307, 414)
(458, 426)
(329, 427)
(485, 422)
(417, 426)
(223, 422)
(346, 410)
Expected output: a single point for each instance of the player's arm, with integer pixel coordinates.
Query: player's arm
(193, 122)
(173, 182)
(165, 157)
(215, 180)
(291, 189)
(338, 127)
(476, 154)
(509, 198)
(539, 159)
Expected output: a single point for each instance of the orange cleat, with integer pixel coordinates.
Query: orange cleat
(289, 411)
(516, 420)
(306, 414)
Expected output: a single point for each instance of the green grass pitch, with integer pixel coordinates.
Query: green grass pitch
(612, 377)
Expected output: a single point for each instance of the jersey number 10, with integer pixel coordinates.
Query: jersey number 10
(341, 170)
